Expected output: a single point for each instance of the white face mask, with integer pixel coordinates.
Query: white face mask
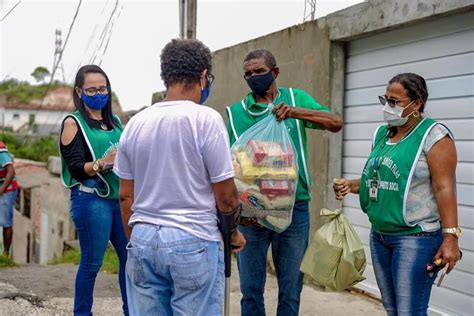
(393, 116)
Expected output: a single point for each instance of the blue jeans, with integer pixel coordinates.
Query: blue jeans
(288, 249)
(7, 205)
(171, 272)
(399, 265)
(97, 221)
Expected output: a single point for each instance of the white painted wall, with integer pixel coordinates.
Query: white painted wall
(13, 118)
(442, 51)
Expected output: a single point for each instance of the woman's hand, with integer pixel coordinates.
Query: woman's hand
(341, 187)
(449, 252)
(238, 241)
(108, 161)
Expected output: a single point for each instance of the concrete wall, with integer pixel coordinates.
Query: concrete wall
(305, 56)
(311, 56)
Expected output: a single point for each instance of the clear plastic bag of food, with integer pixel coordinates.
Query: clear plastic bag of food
(266, 173)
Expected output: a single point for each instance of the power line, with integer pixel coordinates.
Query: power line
(110, 35)
(11, 10)
(93, 34)
(59, 58)
(103, 34)
(89, 42)
(111, 21)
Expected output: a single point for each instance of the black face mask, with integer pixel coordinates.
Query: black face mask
(259, 84)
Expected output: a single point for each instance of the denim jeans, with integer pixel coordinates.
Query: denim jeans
(399, 265)
(288, 249)
(7, 205)
(97, 221)
(171, 272)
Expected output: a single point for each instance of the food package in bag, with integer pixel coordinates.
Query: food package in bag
(335, 256)
(266, 173)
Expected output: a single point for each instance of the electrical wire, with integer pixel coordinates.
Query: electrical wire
(110, 35)
(59, 58)
(11, 10)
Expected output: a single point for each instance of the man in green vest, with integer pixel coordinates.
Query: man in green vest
(300, 111)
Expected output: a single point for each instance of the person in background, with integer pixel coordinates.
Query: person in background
(8, 193)
(300, 111)
(177, 179)
(407, 189)
(88, 145)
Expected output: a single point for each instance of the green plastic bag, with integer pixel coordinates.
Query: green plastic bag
(335, 257)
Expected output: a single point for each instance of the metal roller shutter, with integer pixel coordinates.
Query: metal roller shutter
(442, 51)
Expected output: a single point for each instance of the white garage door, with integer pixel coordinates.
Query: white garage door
(442, 51)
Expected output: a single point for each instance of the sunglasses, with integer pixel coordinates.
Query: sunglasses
(391, 102)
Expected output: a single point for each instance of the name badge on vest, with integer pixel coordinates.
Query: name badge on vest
(374, 190)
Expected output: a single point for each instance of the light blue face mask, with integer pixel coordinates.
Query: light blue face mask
(205, 92)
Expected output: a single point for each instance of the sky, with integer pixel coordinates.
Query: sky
(136, 33)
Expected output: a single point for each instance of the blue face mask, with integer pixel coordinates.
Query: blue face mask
(205, 92)
(96, 102)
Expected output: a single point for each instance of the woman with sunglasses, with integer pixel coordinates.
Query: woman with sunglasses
(407, 189)
(88, 145)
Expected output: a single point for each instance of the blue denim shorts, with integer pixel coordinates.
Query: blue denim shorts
(7, 205)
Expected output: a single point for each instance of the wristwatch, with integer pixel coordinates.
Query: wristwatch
(96, 166)
(456, 231)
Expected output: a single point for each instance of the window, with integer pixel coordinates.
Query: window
(16, 115)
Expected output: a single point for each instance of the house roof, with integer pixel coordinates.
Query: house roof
(59, 99)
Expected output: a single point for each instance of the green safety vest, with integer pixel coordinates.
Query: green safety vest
(100, 143)
(396, 164)
(240, 121)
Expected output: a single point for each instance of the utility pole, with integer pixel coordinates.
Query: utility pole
(57, 53)
(187, 18)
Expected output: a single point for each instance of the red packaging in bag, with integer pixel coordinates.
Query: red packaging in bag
(275, 187)
(257, 152)
(269, 154)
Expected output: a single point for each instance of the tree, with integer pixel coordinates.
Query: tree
(40, 73)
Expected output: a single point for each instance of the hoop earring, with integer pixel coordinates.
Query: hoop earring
(416, 113)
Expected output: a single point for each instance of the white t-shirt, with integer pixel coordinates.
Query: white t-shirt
(174, 151)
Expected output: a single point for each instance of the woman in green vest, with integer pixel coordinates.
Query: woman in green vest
(89, 140)
(407, 189)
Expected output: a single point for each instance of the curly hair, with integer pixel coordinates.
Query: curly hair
(183, 61)
(270, 61)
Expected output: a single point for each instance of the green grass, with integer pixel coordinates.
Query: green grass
(23, 92)
(110, 263)
(6, 262)
(38, 149)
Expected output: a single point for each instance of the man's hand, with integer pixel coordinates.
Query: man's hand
(238, 241)
(282, 111)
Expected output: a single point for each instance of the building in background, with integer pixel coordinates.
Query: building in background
(41, 117)
(42, 222)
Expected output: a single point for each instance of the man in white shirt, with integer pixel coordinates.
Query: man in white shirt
(176, 180)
